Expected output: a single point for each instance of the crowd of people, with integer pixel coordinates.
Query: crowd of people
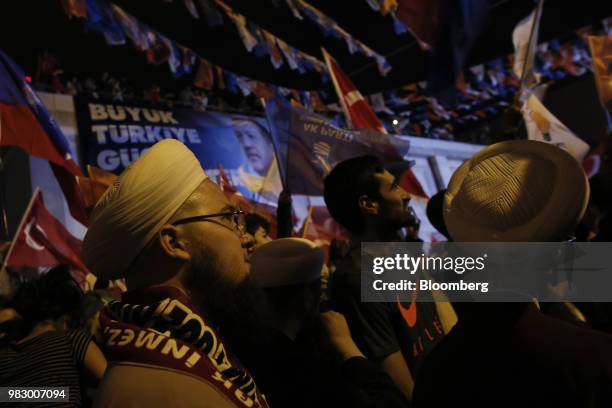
(218, 313)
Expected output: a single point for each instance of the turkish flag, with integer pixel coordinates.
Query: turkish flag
(42, 241)
(359, 114)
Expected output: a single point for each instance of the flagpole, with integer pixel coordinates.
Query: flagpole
(307, 221)
(2, 198)
(536, 21)
(284, 180)
(20, 227)
(337, 86)
(2, 201)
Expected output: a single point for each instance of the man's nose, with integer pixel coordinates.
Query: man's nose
(405, 195)
(248, 241)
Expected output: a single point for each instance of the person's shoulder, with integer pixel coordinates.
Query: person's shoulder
(148, 385)
(564, 343)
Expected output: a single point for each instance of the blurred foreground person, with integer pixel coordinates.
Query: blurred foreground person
(309, 358)
(42, 344)
(511, 354)
(171, 233)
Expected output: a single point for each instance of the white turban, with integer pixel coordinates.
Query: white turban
(138, 203)
(286, 261)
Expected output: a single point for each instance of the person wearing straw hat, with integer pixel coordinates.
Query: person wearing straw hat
(168, 230)
(299, 367)
(511, 354)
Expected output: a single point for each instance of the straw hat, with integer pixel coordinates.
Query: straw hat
(520, 190)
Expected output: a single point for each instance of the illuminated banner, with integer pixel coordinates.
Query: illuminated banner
(113, 134)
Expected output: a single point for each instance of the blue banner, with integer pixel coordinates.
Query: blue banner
(309, 146)
(113, 134)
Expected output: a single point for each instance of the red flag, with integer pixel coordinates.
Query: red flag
(42, 241)
(25, 122)
(358, 112)
(360, 115)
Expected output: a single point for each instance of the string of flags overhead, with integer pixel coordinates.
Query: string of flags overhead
(330, 28)
(118, 26)
(483, 91)
(262, 42)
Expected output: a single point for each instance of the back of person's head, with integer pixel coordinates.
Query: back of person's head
(48, 297)
(289, 271)
(254, 221)
(516, 191)
(348, 181)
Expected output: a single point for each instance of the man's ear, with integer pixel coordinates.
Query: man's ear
(172, 243)
(367, 205)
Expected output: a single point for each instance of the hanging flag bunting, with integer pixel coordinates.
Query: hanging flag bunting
(276, 57)
(190, 6)
(239, 21)
(230, 82)
(175, 57)
(250, 33)
(159, 50)
(100, 17)
(289, 53)
(294, 9)
(244, 85)
(374, 4)
(378, 103)
(204, 78)
(132, 28)
(219, 78)
(398, 26)
(330, 27)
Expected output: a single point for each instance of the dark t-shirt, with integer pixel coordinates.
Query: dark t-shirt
(532, 360)
(52, 359)
(300, 374)
(381, 329)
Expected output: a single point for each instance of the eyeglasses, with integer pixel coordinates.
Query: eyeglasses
(236, 219)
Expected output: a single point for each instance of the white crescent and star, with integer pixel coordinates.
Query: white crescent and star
(30, 241)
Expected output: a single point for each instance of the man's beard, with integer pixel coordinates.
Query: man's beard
(234, 310)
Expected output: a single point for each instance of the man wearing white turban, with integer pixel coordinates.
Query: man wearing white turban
(171, 233)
